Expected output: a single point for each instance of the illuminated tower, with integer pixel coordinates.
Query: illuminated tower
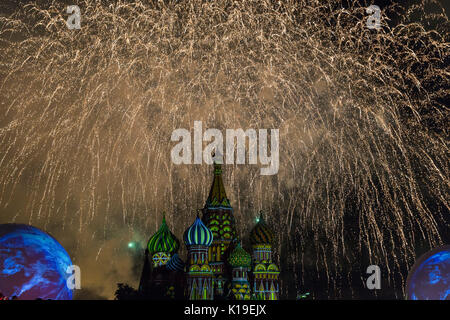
(241, 262)
(265, 272)
(218, 217)
(155, 276)
(199, 276)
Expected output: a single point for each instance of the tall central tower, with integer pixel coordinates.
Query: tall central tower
(218, 217)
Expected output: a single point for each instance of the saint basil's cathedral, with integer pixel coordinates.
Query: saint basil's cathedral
(217, 267)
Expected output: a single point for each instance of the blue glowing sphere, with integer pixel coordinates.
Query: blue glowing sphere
(429, 279)
(32, 264)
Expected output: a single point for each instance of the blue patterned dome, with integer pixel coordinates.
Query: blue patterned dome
(198, 234)
(175, 263)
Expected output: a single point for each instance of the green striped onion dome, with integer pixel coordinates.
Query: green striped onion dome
(163, 240)
(198, 234)
(261, 233)
(240, 258)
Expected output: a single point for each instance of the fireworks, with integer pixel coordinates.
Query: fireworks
(87, 115)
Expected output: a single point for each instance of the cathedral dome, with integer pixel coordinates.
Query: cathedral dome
(198, 234)
(163, 240)
(240, 258)
(175, 263)
(261, 233)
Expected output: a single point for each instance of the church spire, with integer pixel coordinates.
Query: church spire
(217, 195)
(218, 217)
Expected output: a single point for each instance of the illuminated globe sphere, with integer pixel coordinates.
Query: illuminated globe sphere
(32, 264)
(429, 279)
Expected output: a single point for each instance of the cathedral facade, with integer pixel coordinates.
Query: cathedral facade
(217, 267)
